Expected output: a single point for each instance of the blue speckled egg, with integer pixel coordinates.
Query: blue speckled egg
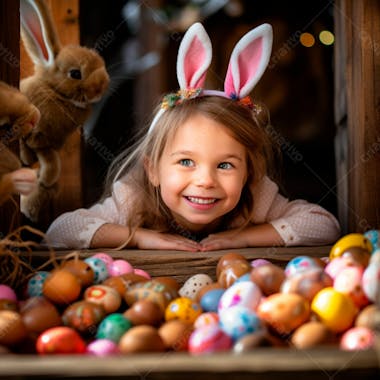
(238, 321)
(113, 327)
(300, 263)
(99, 267)
(374, 237)
(210, 300)
(36, 283)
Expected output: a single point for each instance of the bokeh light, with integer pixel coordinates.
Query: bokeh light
(307, 39)
(326, 37)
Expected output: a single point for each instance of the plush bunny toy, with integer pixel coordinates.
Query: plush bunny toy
(66, 81)
(17, 118)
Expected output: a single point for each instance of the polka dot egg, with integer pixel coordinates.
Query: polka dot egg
(36, 283)
(191, 287)
(99, 267)
(184, 309)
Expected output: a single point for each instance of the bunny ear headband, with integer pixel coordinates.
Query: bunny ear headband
(248, 62)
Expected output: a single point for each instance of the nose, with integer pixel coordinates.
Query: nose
(205, 177)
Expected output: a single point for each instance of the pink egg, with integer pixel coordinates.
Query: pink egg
(349, 281)
(358, 338)
(102, 347)
(105, 257)
(208, 339)
(258, 262)
(7, 293)
(119, 267)
(141, 272)
(337, 264)
(206, 319)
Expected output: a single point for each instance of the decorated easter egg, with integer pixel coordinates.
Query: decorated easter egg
(113, 327)
(142, 273)
(81, 270)
(284, 312)
(335, 309)
(39, 314)
(349, 281)
(245, 294)
(124, 282)
(374, 237)
(12, 328)
(207, 288)
(228, 259)
(102, 347)
(232, 272)
(34, 287)
(175, 334)
(60, 340)
(141, 339)
(183, 308)
(307, 283)
(103, 295)
(105, 257)
(268, 278)
(358, 338)
(83, 316)
(348, 241)
(300, 263)
(338, 264)
(168, 281)
(209, 339)
(61, 287)
(211, 299)
(152, 290)
(144, 312)
(119, 267)
(205, 319)
(311, 334)
(193, 284)
(237, 321)
(7, 293)
(99, 268)
(371, 282)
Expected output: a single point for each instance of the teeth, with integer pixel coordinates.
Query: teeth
(201, 201)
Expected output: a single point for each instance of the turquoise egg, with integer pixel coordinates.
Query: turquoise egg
(36, 283)
(99, 267)
(113, 327)
(210, 300)
(374, 237)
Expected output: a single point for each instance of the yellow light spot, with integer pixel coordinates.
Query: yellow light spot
(307, 39)
(326, 37)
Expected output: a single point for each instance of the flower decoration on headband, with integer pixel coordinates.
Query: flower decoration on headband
(248, 61)
(176, 98)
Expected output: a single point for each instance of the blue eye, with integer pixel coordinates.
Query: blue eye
(186, 162)
(225, 165)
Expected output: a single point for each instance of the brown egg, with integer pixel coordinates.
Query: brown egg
(357, 255)
(311, 334)
(81, 270)
(176, 334)
(144, 312)
(39, 314)
(62, 287)
(12, 328)
(268, 278)
(226, 261)
(232, 272)
(123, 282)
(284, 312)
(369, 317)
(141, 339)
(8, 305)
(169, 281)
(105, 296)
(257, 339)
(83, 316)
(205, 289)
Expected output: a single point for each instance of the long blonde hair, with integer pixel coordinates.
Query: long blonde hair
(245, 125)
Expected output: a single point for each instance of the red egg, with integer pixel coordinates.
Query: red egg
(60, 340)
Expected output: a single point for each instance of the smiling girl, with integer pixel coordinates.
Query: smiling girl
(197, 179)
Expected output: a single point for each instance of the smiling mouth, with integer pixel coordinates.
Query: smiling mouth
(201, 201)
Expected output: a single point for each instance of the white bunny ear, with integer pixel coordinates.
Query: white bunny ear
(38, 32)
(194, 57)
(248, 61)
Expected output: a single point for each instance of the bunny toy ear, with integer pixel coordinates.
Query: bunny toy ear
(194, 57)
(248, 61)
(38, 32)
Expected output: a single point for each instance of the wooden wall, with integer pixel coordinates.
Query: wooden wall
(357, 113)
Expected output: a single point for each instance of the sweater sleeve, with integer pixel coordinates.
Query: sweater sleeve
(298, 222)
(75, 229)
